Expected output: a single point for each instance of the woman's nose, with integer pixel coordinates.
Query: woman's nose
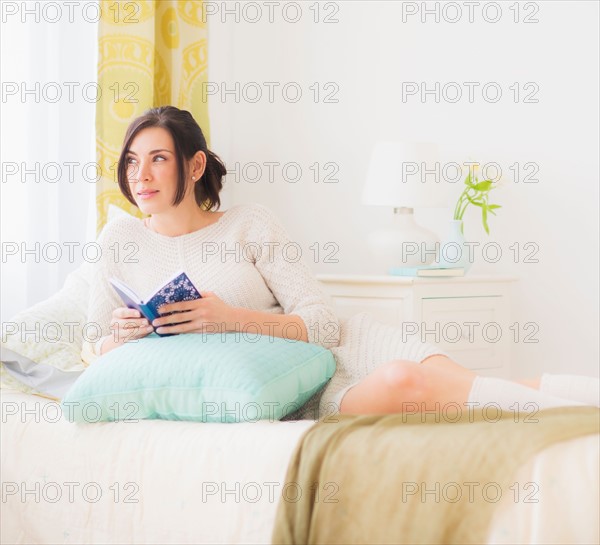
(144, 171)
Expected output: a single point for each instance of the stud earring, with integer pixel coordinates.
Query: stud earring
(193, 177)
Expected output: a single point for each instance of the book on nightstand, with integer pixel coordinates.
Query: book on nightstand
(176, 289)
(427, 271)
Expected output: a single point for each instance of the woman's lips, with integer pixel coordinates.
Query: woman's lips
(147, 195)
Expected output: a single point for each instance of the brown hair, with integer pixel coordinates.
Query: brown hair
(188, 139)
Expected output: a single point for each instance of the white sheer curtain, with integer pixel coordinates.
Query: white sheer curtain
(45, 209)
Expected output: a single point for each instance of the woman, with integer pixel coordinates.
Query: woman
(240, 261)
(237, 258)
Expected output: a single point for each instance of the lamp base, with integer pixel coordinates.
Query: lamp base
(404, 243)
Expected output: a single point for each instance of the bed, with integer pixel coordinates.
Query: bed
(160, 482)
(153, 481)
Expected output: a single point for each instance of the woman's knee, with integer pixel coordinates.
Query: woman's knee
(384, 391)
(400, 374)
(444, 364)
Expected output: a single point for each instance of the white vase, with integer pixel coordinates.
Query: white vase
(453, 252)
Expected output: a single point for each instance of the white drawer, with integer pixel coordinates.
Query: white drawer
(472, 329)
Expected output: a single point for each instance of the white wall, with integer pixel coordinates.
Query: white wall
(368, 54)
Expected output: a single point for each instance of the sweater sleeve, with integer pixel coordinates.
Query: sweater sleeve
(103, 299)
(280, 262)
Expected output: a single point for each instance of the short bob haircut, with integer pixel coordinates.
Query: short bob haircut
(188, 139)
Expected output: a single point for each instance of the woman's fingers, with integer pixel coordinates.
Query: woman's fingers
(124, 312)
(136, 332)
(128, 324)
(132, 324)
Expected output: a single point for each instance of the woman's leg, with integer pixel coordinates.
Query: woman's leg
(382, 365)
(530, 382)
(577, 387)
(402, 385)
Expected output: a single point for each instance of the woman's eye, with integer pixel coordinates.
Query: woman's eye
(159, 157)
(130, 160)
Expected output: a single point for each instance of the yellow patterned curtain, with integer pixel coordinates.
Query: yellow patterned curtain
(150, 53)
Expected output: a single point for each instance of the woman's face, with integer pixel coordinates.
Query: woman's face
(152, 170)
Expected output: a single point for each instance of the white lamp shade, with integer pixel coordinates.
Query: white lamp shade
(405, 174)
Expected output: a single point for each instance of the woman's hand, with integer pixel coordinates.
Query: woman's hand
(207, 314)
(127, 324)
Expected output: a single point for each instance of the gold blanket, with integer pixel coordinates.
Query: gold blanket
(409, 479)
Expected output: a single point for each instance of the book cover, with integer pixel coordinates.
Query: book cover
(177, 289)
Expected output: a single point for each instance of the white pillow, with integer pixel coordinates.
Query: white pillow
(54, 342)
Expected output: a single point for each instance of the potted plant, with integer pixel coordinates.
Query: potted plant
(475, 193)
(453, 252)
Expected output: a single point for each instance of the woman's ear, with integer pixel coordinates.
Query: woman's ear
(198, 165)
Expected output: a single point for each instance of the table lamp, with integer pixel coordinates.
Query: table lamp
(403, 176)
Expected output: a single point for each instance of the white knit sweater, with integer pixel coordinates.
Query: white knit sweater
(246, 258)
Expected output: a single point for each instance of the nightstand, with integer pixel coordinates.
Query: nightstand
(469, 317)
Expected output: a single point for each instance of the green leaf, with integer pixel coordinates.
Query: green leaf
(484, 218)
(476, 203)
(483, 186)
(494, 206)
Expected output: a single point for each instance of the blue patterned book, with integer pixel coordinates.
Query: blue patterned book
(177, 289)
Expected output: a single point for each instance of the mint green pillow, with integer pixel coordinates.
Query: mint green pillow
(228, 377)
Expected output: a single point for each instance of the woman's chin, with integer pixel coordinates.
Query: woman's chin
(147, 208)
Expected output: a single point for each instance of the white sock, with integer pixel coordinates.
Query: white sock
(514, 397)
(577, 387)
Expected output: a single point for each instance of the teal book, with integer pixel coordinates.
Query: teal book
(427, 271)
(177, 289)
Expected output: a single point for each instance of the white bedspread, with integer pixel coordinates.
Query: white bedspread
(193, 482)
(179, 482)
